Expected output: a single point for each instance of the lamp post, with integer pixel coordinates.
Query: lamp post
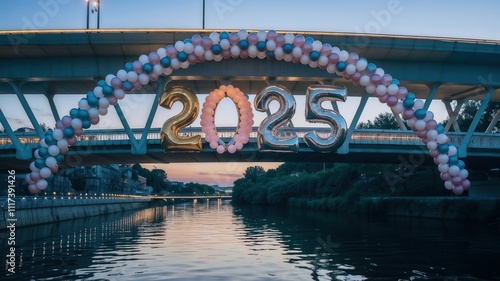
(95, 9)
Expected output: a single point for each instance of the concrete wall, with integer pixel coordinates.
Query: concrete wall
(32, 211)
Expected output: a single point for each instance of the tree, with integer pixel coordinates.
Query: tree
(254, 173)
(384, 121)
(468, 112)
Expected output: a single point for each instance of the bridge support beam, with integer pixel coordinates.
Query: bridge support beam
(27, 109)
(162, 83)
(453, 113)
(22, 152)
(462, 150)
(53, 108)
(493, 122)
(430, 96)
(344, 149)
(135, 149)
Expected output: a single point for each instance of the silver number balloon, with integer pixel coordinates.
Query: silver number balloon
(315, 113)
(268, 139)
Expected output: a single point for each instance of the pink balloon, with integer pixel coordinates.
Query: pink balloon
(66, 121)
(408, 113)
(445, 176)
(383, 99)
(33, 189)
(172, 52)
(458, 190)
(226, 54)
(326, 50)
(271, 35)
(59, 125)
(154, 58)
(192, 59)
(231, 148)
(299, 40)
(220, 149)
(214, 144)
(238, 145)
(234, 38)
(94, 120)
(28, 179)
(456, 181)
(376, 79)
(137, 67)
(196, 40)
(392, 100)
(136, 85)
(401, 93)
(78, 132)
(35, 176)
(466, 184)
(422, 134)
(252, 38)
(71, 141)
(112, 100)
(116, 83)
(434, 153)
(431, 124)
(307, 48)
(244, 54)
(280, 40)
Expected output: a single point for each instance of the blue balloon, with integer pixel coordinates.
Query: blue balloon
(40, 163)
(341, 66)
(395, 81)
(93, 101)
(182, 56)
(261, 46)
(420, 113)
(59, 158)
(461, 164)
(453, 160)
(128, 67)
(68, 132)
(48, 132)
(440, 128)
(101, 83)
(126, 86)
(165, 62)
(443, 148)
(107, 90)
(270, 54)
(288, 48)
(187, 40)
(243, 44)
(147, 68)
(410, 95)
(408, 103)
(50, 178)
(371, 68)
(224, 35)
(49, 140)
(73, 112)
(314, 56)
(309, 40)
(86, 124)
(83, 114)
(216, 49)
(43, 152)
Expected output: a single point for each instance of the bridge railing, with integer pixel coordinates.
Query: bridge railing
(365, 136)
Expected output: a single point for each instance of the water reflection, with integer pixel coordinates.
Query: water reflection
(216, 241)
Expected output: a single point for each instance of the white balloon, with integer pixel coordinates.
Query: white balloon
(343, 55)
(243, 34)
(108, 78)
(51, 162)
(83, 104)
(122, 75)
(235, 51)
(336, 50)
(215, 37)
(167, 71)
(157, 69)
(76, 123)
(432, 135)
(443, 168)
(98, 92)
(131, 77)
(364, 80)
(42, 143)
(185, 64)
(331, 68)
(103, 111)
(210, 56)
(296, 52)
(162, 52)
(448, 185)
(323, 61)
(442, 138)
(261, 55)
(313, 64)
(179, 46)
(392, 89)
(33, 168)
(429, 116)
(304, 59)
(45, 172)
(62, 144)
(262, 35)
(252, 51)
(419, 104)
(380, 71)
(278, 53)
(289, 37)
(370, 88)
(119, 94)
(380, 90)
(174, 63)
(442, 159)
(53, 150)
(218, 58)
(224, 44)
(452, 150)
(454, 170)
(463, 174)
(58, 134)
(143, 79)
(350, 68)
(42, 184)
(317, 45)
(361, 65)
(271, 45)
(36, 153)
(420, 125)
(103, 103)
(188, 48)
(143, 59)
(199, 51)
(432, 145)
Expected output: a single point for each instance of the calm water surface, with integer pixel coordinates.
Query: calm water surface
(217, 241)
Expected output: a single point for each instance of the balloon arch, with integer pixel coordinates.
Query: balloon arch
(263, 45)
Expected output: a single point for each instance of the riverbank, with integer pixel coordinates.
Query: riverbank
(30, 211)
(455, 208)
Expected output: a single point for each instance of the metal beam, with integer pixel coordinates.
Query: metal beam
(126, 126)
(430, 96)
(462, 150)
(493, 122)
(453, 114)
(401, 124)
(53, 108)
(22, 152)
(344, 149)
(27, 109)
(162, 83)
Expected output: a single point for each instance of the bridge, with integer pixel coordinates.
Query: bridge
(69, 62)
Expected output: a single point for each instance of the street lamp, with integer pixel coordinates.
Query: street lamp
(95, 9)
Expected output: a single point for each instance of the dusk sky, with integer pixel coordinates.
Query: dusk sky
(455, 19)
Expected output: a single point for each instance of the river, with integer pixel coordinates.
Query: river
(218, 241)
